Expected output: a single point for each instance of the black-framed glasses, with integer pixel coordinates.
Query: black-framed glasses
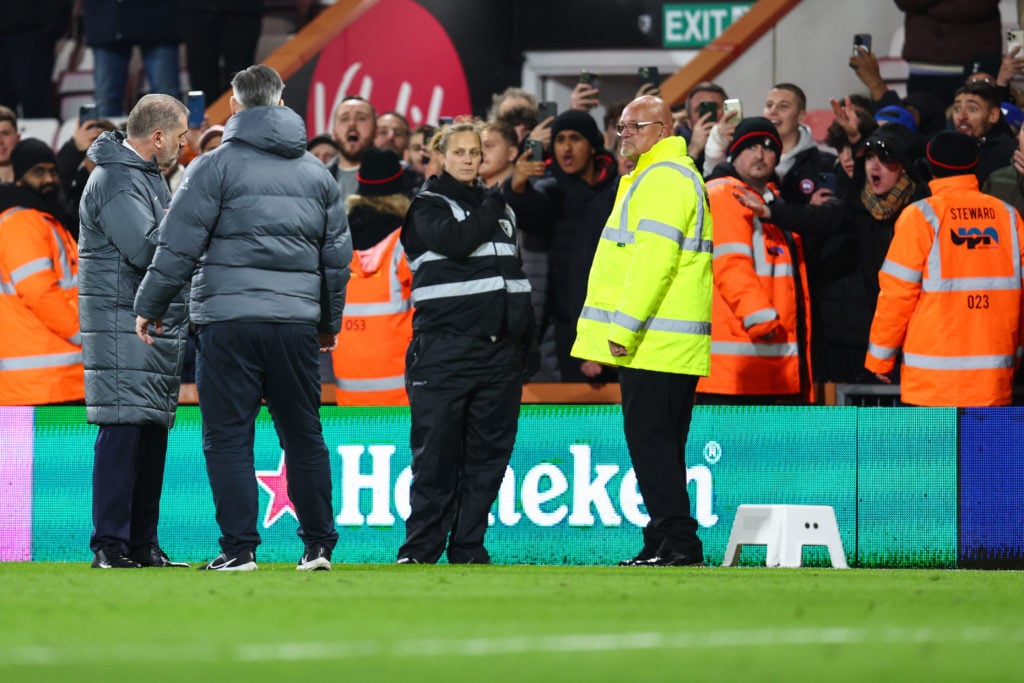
(634, 127)
(880, 149)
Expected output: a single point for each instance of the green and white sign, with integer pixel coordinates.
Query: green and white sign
(695, 25)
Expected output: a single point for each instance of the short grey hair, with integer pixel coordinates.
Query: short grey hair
(153, 113)
(257, 86)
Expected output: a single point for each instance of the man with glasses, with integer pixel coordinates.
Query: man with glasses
(648, 312)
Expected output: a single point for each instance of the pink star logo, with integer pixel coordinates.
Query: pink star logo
(276, 484)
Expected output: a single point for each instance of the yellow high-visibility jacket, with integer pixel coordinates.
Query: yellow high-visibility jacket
(650, 285)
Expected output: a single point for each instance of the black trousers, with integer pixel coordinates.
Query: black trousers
(127, 478)
(218, 44)
(464, 396)
(238, 364)
(656, 409)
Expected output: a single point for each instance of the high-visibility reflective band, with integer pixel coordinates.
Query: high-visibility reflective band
(970, 284)
(627, 321)
(7, 288)
(618, 236)
(734, 248)
(382, 308)
(788, 349)
(882, 352)
(457, 211)
(764, 315)
(449, 289)
(50, 360)
(652, 324)
(675, 234)
(678, 326)
(623, 231)
(67, 279)
(761, 264)
(901, 272)
(955, 284)
(517, 286)
(76, 339)
(485, 249)
(377, 384)
(917, 360)
(31, 268)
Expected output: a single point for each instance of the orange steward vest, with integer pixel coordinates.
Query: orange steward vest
(951, 298)
(40, 343)
(369, 361)
(755, 275)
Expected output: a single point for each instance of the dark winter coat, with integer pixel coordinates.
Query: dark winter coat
(263, 221)
(126, 381)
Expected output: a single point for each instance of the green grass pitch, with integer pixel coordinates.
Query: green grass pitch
(66, 622)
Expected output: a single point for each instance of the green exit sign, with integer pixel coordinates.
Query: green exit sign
(697, 24)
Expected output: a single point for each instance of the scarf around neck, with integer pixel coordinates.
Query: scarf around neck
(883, 208)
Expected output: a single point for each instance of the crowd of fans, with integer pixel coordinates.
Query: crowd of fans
(835, 202)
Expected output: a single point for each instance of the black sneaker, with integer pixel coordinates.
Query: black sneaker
(242, 561)
(674, 559)
(113, 558)
(642, 558)
(407, 560)
(316, 558)
(153, 556)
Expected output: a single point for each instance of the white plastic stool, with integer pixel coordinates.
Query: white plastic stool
(785, 530)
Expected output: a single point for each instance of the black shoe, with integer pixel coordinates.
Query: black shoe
(153, 556)
(640, 560)
(113, 558)
(316, 558)
(407, 560)
(243, 561)
(674, 559)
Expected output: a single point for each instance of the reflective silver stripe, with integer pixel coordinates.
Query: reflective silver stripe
(652, 324)
(596, 314)
(67, 279)
(481, 286)
(917, 360)
(901, 272)
(676, 235)
(378, 384)
(7, 288)
(457, 211)
(678, 326)
(485, 249)
(748, 349)
(734, 248)
(517, 286)
(31, 268)
(76, 339)
(965, 284)
(764, 315)
(50, 360)
(627, 321)
(618, 236)
(969, 284)
(382, 308)
(698, 190)
(883, 352)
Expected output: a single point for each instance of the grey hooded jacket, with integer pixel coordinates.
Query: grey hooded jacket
(126, 381)
(261, 223)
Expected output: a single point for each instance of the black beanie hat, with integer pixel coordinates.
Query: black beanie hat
(892, 142)
(28, 153)
(581, 122)
(755, 130)
(380, 173)
(952, 153)
(983, 64)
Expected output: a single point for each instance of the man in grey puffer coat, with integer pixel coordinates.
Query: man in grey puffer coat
(263, 219)
(131, 390)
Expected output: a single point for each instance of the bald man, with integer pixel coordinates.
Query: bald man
(648, 312)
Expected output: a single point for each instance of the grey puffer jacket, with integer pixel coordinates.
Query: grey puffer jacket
(126, 381)
(263, 219)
